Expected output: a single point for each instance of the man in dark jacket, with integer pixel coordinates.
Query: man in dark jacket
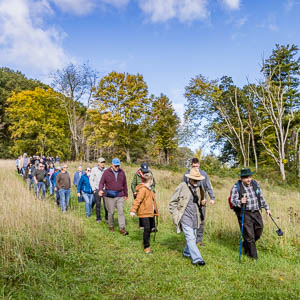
(207, 187)
(39, 177)
(113, 186)
(63, 185)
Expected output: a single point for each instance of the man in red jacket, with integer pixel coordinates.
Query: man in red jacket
(113, 186)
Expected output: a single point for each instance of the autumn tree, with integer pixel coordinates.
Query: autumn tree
(165, 126)
(118, 109)
(75, 84)
(38, 125)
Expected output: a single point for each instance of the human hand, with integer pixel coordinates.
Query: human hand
(101, 193)
(268, 212)
(203, 202)
(55, 189)
(125, 198)
(132, 214)
(244, 199)
(212, 202)
(78, 194)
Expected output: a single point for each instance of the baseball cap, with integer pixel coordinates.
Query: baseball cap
(101, 159)
(144, 167)
(116, 162)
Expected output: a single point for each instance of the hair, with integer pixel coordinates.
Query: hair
(148, 177)
(195, 160)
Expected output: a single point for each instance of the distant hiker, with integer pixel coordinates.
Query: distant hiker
(24, 161)
(146, 208)
(29, 175)
(53, 182)
(18, 161)
(51, 170)
(138, 178)
(76, 180)
(95, 178)
(113, 186)
(39, 177)
(207, 187)
(247, 191)
(63, 185)
(185, 207)
(84, 188)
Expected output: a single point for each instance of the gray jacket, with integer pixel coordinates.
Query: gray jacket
(205, 183)
(179, 202)
(95, 177)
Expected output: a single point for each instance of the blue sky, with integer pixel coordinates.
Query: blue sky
(168, 41)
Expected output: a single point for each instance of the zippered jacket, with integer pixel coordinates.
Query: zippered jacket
(84, 184)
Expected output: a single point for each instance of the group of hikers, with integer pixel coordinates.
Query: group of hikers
(187, 206)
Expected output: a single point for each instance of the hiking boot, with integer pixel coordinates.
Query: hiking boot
(112, 229)
(199, 263)
(123, 231)
(147, 251)
(98, 220)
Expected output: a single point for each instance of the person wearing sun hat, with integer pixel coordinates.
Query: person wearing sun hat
(113, 186)
(185, 208)
(247, 192)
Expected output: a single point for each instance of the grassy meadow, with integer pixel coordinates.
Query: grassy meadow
(47, 255)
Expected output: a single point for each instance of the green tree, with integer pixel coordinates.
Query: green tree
(118, 110)
(165, 126)
(11, 81)
(38, 124)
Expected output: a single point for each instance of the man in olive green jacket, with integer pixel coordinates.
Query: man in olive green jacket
(186, 213)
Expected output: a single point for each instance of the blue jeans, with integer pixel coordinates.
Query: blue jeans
(40, 186)
(51, 188)
(88, 199)
(191, 250)
(64, 198)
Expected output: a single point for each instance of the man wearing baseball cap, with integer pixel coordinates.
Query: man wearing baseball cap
(113, 186)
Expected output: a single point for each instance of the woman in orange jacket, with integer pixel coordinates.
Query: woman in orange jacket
(145, 207)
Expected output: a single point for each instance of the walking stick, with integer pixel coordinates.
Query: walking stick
(242, 228)
(279, 231)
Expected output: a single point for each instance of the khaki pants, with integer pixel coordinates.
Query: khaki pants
(111, 205)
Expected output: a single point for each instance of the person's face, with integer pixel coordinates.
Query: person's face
(80, 169)
(101, 164)
(195, 165)
(64, 169)
(246, 180)
(41, 166)
(115, 168)
(193, 182)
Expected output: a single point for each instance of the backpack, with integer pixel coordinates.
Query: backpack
(241, 191)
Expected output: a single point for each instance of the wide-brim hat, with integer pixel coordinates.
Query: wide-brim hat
(245, 172)
(195, 174)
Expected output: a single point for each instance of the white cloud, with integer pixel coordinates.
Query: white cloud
(24, 42)
(184, 10)
(232, 4)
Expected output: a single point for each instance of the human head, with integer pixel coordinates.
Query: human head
(246, 176)
(116, 164)
(88, 170)
(64, 168)
(79, 169)
(101, 162)
(41, 166)
(144, 168)
(194, 176)
(25, 154)
(148, 179)
(195, 163)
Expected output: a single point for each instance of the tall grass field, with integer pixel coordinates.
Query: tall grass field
(48, 255)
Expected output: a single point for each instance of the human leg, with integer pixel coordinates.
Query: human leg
(249, 235)
(120, 210)
(110, 204)
(191, 250)
(98, 205)
(145, 222)
(200, 230)
(62, 200)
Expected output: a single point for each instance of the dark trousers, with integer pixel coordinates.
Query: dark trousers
(57, 198)
(98, 206)
(253, 228)
(148, 224)
(200, 230)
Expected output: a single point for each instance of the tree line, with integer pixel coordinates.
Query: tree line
(82, 115)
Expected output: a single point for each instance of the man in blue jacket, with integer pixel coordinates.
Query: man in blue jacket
(76, 180)
(53, 181)
(84, 188)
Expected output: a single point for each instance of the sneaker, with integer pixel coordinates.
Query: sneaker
(123, 231)
(147, 251)
(199, 263)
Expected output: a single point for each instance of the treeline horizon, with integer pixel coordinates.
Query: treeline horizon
(257, 125)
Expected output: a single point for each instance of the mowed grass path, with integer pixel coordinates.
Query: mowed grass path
(86, 261)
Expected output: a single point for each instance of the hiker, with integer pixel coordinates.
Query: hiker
(113, 186)
(63, 185)
(39, 177)
(138, 178)
(247, 192)
(28, 175)
(85, 190)
(185, 207)
(146, 208)
(76, 180)
(207, 187)
(18, 161)
(24, 161)
(53, 182)
(95, 178)
(51, 170)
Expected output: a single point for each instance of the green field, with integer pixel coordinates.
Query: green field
(47, 255)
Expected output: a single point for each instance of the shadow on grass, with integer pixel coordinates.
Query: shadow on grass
(225, 238)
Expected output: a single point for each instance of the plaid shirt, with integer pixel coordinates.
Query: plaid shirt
(252, 202)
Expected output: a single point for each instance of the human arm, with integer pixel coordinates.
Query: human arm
(102, 184)
(208, 187)
(138, 200)
(175, 199)
(79, 185)
(235, 197)
(125, 188)
(134, 183)
(92, 180)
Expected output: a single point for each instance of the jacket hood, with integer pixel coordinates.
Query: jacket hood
(141, 186)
